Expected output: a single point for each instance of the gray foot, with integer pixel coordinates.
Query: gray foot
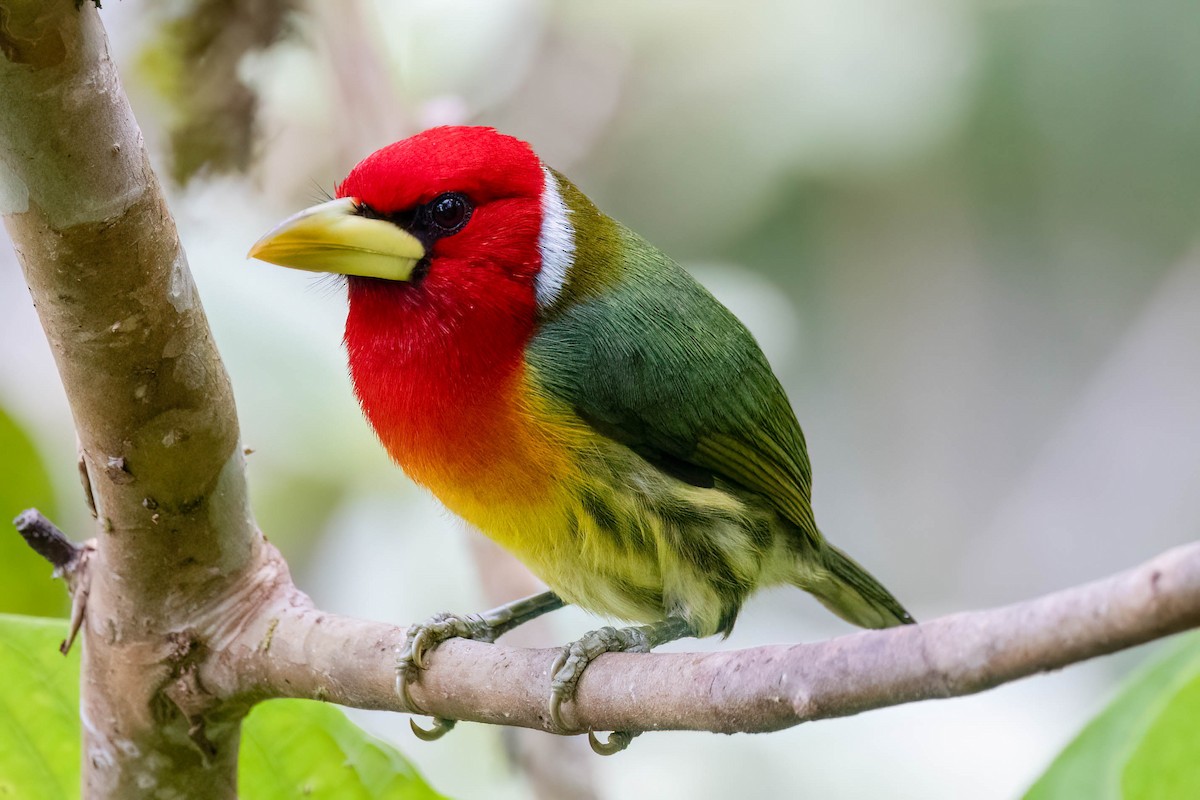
(423, 637)
(575, 657)
(486, 627)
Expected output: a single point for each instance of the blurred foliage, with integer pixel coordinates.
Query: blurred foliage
(294, 509)
(290, 748)
(1082, 149)
(25, 583)
(300, 748)
(1144, 745)
(193, 64)
(1166, 765)
(39, 711)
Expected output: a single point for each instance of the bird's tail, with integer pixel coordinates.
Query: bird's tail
(849, 591)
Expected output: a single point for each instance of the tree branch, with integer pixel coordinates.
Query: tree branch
(298, 650)
(271, 641)
(45, 539)
(71, 563)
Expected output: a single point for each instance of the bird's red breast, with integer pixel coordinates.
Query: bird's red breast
(438, 363)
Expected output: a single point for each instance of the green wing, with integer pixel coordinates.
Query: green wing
(655, 362)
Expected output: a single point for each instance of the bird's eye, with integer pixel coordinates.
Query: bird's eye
(448, 213)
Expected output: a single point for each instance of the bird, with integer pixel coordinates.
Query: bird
(568, 389)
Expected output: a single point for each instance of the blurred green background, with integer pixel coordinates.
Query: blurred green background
(966, 234)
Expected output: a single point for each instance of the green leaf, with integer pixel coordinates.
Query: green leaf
(1093, 766)
(302, 748)
(25, 583)
(290, 748)
(39, 711)
(1166, 765)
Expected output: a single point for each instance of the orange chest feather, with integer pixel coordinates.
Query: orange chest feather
(441, 376)
(487, 455)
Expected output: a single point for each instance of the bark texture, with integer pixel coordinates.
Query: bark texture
(298, 650)
(151, 402)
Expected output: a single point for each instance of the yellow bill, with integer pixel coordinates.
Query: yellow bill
(334, 237)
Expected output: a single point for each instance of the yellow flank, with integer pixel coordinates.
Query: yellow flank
(604, 528)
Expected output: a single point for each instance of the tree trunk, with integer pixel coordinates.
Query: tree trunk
(151, 401)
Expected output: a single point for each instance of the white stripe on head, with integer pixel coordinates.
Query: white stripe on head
(556, 242)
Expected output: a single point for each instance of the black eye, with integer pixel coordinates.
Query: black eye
(448, 213)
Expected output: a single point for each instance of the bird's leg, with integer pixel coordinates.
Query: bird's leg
(485, 627)
(575, 657)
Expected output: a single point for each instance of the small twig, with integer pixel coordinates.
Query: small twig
(79, 581)
(47, 540)
(69, 560)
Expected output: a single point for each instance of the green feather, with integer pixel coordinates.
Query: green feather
(646, 357)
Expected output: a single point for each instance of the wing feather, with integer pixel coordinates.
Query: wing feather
(656, 363)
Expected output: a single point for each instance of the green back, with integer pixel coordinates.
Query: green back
(647, 357)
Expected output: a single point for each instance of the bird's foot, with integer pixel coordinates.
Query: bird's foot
(575, 657)
(421, 639)
(486, 627)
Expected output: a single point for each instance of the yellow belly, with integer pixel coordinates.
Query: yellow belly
(620, 538)
(604, 528)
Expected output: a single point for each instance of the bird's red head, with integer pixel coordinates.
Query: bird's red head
(451, 239)
(481, 163)
(472, 197)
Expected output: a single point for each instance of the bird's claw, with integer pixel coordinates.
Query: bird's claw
(425, 636)
(403, 679)
(568, 668)
(421, 639)
(617, 741)
(555, 708)
(560, 689)
(440, 727)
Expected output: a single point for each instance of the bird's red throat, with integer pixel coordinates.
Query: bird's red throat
(439, 372)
